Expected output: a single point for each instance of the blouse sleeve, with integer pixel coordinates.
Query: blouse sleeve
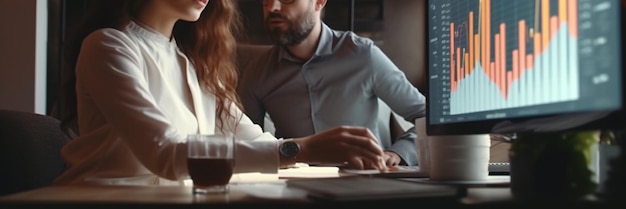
(256, 150)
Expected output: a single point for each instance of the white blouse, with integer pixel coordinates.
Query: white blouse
(138, 98)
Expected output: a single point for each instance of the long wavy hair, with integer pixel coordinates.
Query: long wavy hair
(209, 43)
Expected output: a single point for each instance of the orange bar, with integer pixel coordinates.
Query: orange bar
(481, 32)
(470, 37)
(477, 48)
(562, 11)
(459, 73)
(516, 69)
(488, 30)
(502, 67)
(498, 59)
(554, 26)
(502, 49)
(545, 21)
(484, 37)
(529, 62)
(452, 66)
(572, 18)
(522, 44)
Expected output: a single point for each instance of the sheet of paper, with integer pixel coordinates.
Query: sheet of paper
(305, 171)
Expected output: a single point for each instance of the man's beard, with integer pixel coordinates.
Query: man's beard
(297, 30)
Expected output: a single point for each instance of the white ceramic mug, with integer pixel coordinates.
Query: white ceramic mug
(459, 157)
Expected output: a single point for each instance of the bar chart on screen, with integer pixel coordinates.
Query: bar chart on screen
(499, 60)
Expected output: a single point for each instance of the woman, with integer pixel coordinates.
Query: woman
(150, 72)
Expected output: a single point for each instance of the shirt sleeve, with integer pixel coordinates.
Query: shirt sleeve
(405, 146)
(392, 87)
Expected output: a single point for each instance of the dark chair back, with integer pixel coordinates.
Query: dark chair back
(30, 151)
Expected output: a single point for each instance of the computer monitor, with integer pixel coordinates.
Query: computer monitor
(524, 66)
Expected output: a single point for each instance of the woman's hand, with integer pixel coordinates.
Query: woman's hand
(355, 146)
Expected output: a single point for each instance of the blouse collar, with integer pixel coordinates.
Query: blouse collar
(148, 32)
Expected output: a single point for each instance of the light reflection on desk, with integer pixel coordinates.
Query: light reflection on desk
(244, 188)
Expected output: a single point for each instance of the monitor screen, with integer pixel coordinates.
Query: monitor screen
(524, 66)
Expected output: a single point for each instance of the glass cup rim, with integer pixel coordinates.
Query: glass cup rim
(191, 145)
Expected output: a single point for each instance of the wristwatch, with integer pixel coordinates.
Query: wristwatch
(289, 149)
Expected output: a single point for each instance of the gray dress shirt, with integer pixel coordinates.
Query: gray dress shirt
(339, 85)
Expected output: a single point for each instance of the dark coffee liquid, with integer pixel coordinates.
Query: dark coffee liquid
(210, 171)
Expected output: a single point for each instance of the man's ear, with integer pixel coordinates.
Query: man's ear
(320, 4)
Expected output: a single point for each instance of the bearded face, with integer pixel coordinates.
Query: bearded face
(294, 30)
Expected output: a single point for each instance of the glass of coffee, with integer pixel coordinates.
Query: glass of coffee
(210, 162)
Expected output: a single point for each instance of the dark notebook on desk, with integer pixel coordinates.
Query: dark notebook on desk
(369, 188)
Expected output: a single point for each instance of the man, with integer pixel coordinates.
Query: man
(315, 78)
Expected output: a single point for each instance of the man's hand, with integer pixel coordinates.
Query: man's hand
(356, 146)
(391, 158)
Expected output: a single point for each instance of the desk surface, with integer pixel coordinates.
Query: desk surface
(245, 187)
(251, 188)
(239, 192)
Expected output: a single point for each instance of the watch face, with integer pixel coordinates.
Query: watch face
(289, 149)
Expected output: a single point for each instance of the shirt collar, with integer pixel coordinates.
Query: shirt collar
(148, 32)
(324, 46)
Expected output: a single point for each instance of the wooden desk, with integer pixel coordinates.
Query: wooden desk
(90, 194)
(253, 195)
(246, 187)
(252, 190)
